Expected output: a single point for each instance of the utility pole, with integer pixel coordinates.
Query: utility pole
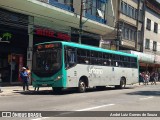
(80, 22)
(81, 14)
(137, 24)
(117, 42)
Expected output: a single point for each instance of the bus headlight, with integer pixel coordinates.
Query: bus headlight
(58, 78)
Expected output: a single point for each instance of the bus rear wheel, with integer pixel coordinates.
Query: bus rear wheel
(122, 84)
(81, 86)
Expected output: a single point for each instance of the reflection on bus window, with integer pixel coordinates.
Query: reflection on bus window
(47, 60)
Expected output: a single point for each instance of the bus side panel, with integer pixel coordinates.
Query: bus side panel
(100, 75)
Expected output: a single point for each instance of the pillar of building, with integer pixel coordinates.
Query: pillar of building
(30, 44)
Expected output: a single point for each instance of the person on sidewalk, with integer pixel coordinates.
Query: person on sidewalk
(29, 74)
(25, 77)
(155, 77)
(141, 78)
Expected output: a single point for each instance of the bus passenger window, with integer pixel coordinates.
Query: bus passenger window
(71, 56)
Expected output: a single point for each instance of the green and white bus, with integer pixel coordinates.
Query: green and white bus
(66, 64)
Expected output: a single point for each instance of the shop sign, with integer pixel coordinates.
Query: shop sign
(52, 34)
(5, 36)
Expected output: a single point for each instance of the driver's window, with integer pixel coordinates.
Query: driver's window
(70, 56)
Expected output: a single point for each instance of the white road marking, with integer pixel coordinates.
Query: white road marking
(95, 107)
(146, 98)
(76, 110)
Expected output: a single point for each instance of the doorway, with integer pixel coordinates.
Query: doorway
(16, 63)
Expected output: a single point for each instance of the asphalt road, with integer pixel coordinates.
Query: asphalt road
(102, 103)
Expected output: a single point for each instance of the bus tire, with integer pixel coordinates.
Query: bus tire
(122, 84)
(81, 86)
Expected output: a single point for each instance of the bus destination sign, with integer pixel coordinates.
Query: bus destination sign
(47, 46)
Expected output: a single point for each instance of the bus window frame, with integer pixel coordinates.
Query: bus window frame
(84, 56)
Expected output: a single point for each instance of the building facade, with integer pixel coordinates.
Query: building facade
(151, 42)
(28, 22)
(129, 24)
(137, 26)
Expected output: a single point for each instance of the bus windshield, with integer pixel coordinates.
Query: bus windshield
(47, 60)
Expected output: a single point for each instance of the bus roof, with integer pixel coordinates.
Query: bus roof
(72, 44)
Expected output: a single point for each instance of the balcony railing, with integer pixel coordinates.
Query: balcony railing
(61, 5)
(95, 18)
(58, 4)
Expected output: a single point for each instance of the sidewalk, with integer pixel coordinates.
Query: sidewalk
(15, 90)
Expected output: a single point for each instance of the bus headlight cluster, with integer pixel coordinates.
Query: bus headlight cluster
(58, 78)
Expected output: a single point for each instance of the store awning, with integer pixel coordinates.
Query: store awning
(143, 57)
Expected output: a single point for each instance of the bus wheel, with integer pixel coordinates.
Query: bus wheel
(122, 84)
(82, 86)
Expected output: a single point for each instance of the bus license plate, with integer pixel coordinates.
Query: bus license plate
(44, 84)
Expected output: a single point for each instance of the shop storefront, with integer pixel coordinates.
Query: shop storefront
(13, 45)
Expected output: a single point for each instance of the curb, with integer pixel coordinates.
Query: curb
(15, 90)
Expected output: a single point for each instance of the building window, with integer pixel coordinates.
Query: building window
(132, 35)
(141, 15)
(136, 14)
(147, 44)
(126, 33)
(154, 46)
(155, 27)
(96, 5)
(122, 6)
(128, 10)
(125, 8)
(148, 24)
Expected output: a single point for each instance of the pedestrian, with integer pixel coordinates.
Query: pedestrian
(141, 78)
(152, 78)
(29, 73)
(146, 78)
(36, 88)
(155, 77)
(25, 77)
